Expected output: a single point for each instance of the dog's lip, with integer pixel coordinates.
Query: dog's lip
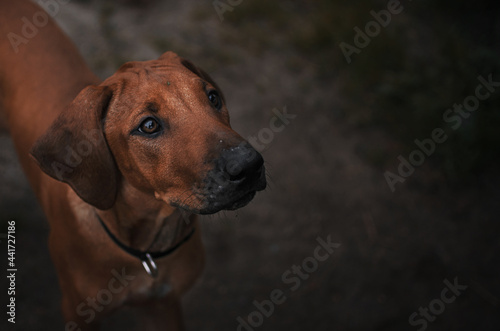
(234, 196)
(256, 183)
(261, 182)
(241, 202)
(215, 206)
(243, 193)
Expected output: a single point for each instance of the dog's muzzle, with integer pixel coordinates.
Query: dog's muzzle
(237, 175)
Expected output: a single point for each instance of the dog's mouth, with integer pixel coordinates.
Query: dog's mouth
(232, 195)
(224, 197)
(237, 202)
(214, 196)
(241, 202)
(216, 206)
(234, 179)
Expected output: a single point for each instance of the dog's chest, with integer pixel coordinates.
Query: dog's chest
(160, 290)
(151, 289)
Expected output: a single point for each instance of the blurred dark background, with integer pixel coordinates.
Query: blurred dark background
(326, 168)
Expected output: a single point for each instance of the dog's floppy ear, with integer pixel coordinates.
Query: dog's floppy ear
(202, 74)
(74, 149)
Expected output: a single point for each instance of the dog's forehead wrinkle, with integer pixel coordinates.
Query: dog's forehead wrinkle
(133, 75)
(152, 106)
(162, 66)
(184, 103)
(151, 69)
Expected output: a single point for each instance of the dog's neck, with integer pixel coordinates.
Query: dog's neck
(142, 222)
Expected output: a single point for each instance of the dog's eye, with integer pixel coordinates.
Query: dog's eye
(149, 126)
(215, 100)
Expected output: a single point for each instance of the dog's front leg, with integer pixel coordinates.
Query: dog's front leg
(77, 321)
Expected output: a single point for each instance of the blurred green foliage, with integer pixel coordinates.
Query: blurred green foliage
(427, 59)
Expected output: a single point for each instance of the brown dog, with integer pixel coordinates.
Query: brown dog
(142, 152)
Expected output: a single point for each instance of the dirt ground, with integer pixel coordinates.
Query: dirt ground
(398, 251)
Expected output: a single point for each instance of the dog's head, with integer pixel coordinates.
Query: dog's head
(163, 127)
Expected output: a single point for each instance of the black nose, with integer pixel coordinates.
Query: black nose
(242, 162)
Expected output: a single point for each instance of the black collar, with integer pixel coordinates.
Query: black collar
(146, 257)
